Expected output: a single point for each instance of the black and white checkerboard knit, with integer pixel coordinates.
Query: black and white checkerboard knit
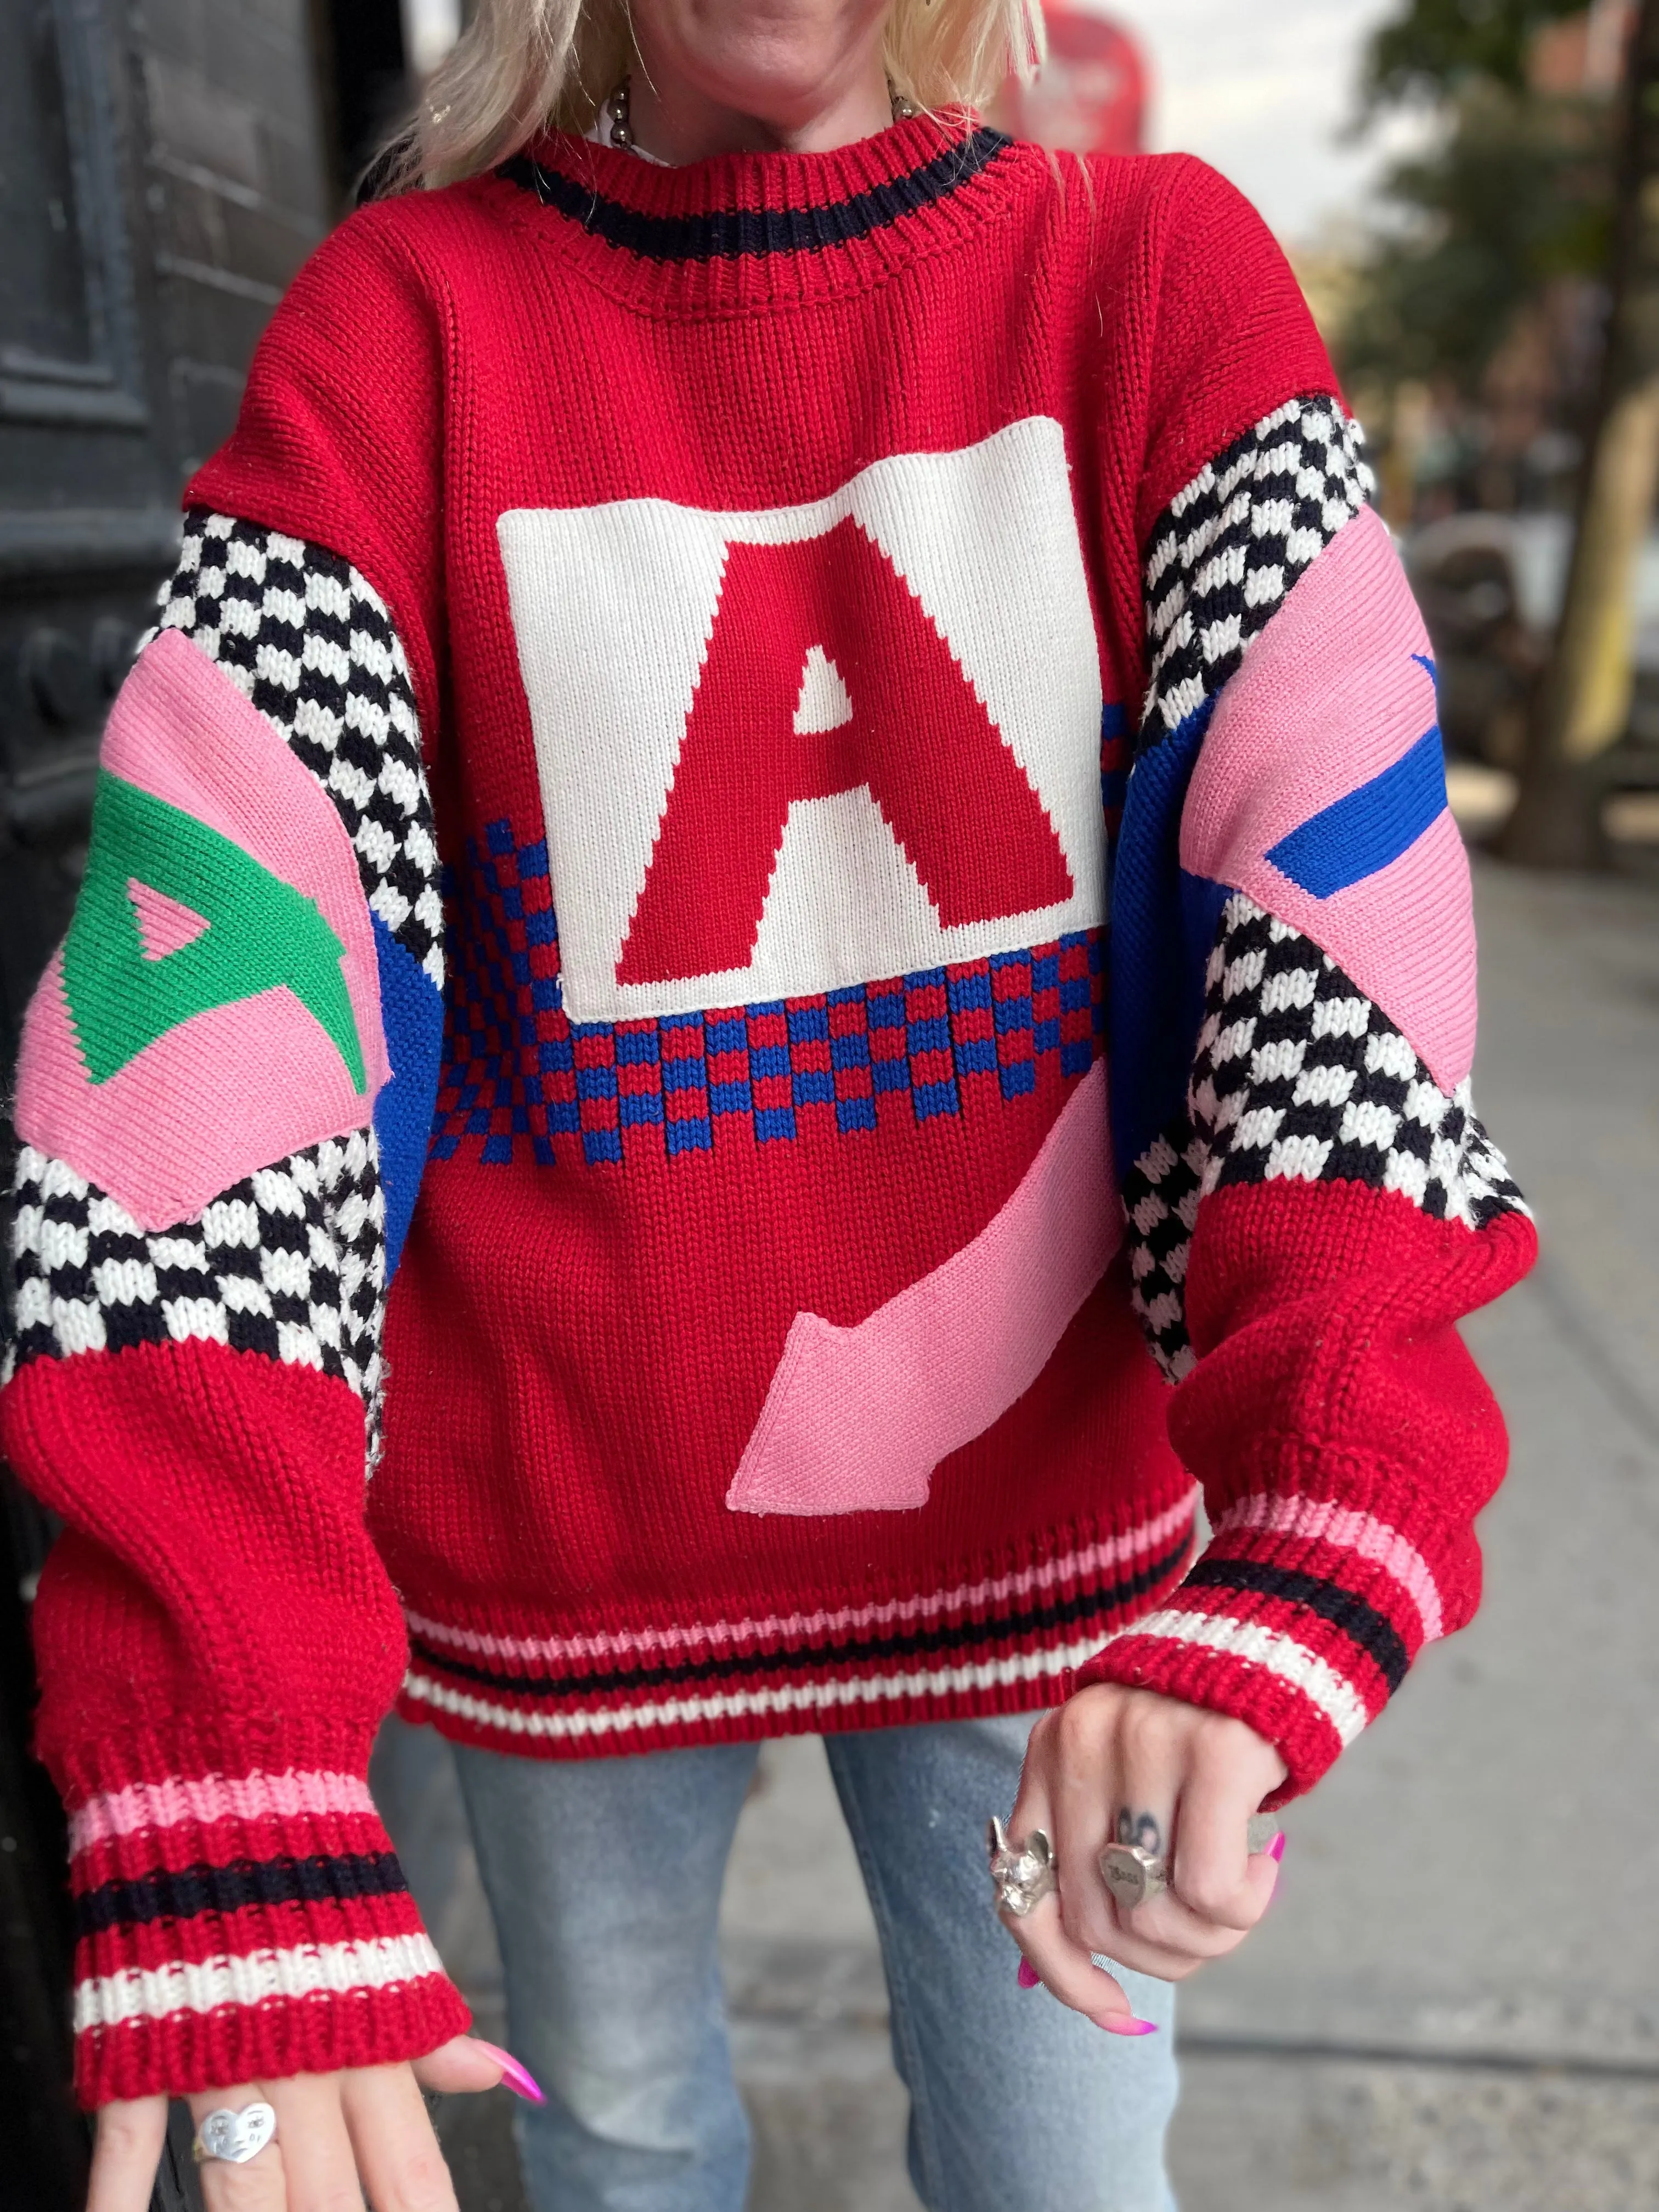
(289, 1263)
(1296, 1074)
(311, 643)
(1230, 547)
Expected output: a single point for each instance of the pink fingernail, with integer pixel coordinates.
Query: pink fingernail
(517, 2078)
(1276, 1848)
(1028, 1976)
(1123, 2023)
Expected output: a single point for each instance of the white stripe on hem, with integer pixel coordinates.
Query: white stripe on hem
(790, 1697)
(1323, 1521)
(334, 1969)
(965, 1597)
(1261, 1646)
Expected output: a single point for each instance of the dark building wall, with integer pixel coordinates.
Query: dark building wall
(168, 168)
(165, 167)
(242, 184)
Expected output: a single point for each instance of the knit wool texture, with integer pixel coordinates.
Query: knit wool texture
(817, 583)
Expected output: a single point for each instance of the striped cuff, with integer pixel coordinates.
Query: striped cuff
(239, 1925)
(1300, 1619)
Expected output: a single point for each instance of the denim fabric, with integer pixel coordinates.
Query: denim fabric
(605, 1879)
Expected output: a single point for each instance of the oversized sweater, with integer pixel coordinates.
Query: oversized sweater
(783, 849)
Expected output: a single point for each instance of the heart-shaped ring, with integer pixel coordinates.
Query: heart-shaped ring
(235, 2137)
(1135, 1875)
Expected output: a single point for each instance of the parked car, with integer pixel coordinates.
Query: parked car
(1491, 587)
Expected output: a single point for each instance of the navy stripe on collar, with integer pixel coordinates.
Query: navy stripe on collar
(726, 233)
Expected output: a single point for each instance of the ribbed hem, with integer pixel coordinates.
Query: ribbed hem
(1001, 1637)
(240, 1914)
(266, 2039)
(1302, 1618)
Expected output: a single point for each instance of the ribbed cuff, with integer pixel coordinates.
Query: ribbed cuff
(1300, 1619)
(240, 1917)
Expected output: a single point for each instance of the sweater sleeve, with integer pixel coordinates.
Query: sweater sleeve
(224, 1093)
(1312, 1203)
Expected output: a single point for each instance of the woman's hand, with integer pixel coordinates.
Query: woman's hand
(338, 2136)
(1131, 1765)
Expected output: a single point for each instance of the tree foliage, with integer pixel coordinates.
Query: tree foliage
(1514, 192)
(1436, 48)
(1518, 194)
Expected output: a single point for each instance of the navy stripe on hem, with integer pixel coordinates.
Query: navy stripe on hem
(728, 234)
(1003, 1628)
(186, 1894)
(1360, 1622)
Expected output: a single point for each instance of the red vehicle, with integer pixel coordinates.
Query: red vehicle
(1090, 97)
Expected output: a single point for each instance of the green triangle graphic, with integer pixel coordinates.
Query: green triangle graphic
(261, 932)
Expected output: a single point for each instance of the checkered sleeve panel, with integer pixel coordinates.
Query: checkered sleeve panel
(310, 641)
(290, 1262)
(199, 1402)
(1233, 545)
(1304, 1233)
(1299, 1077)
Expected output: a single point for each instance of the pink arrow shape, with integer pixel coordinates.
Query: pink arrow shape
(856, 1419)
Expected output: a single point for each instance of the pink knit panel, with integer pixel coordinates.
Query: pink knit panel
(241, 1086)
(1335, 691)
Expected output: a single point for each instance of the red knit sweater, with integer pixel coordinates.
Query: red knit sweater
(750, 584)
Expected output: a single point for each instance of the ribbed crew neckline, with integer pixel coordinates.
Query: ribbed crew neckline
(740, 229)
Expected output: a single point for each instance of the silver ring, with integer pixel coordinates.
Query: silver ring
(1135, 1876)
(232, 2138)
(1022, 1874)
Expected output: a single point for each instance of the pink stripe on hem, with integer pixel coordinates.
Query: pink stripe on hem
(1133, 1543)
(1322, 1520)
(178, 1803)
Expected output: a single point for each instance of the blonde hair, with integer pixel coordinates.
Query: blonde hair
(523, 65)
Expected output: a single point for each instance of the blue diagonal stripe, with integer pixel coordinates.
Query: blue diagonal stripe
(1345, 842)
(413, 1016)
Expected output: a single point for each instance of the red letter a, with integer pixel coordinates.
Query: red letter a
(918, 736)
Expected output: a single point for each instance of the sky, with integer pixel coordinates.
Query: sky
(1263, 88)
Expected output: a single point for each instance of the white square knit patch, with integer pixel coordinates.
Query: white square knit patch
(789, 750)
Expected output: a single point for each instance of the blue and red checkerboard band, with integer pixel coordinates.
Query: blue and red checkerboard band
(519, 1077)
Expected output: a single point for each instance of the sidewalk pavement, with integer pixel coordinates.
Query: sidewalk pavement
(1454, 2005)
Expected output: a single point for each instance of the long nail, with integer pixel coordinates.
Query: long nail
(514, 2076)
(1123, 2023)
(1276, 1848)
(1028, 1976)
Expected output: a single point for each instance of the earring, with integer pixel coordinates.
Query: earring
(622, 132)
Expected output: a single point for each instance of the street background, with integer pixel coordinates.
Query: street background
(1454, 2003)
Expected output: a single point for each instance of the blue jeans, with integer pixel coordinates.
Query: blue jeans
(604, 1877)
